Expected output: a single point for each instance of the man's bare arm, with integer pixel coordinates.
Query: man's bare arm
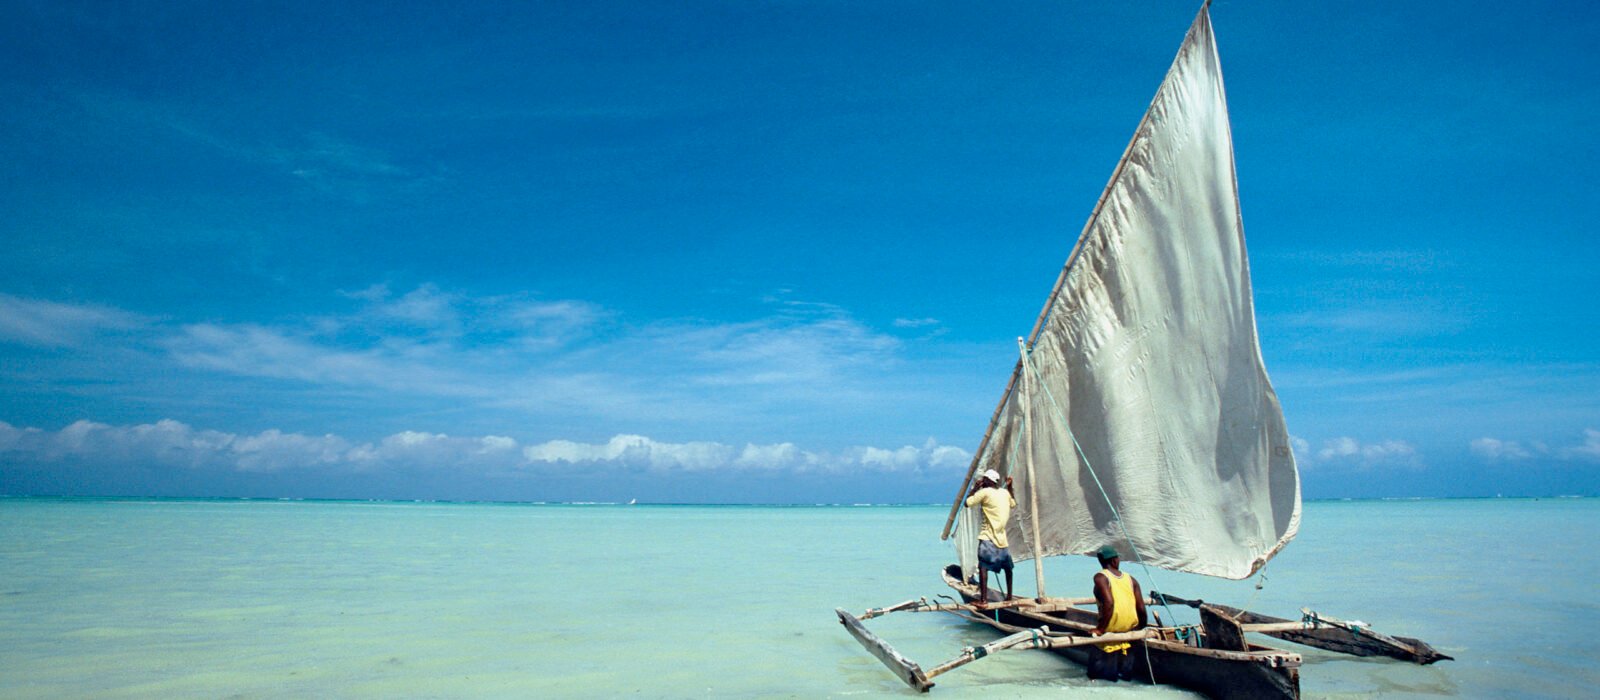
(1102, 598)
(1138, 602)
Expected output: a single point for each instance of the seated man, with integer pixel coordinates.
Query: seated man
(1121, 605)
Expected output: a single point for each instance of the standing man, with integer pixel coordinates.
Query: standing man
(992, 552)
(1121, 605)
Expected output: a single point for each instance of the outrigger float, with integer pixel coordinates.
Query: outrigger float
(1140, 415)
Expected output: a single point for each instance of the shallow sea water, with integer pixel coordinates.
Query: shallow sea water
(117, 598)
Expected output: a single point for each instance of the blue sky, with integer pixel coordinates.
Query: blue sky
(752, 251)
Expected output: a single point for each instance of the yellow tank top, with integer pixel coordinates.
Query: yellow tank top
(1124, 616)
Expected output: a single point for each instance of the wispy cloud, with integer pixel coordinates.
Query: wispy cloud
(781, 350)
(426, 306)
(1383, 260)
(168, 443)
(54, 324)
(1445, 385)
(1497, 450)
(427, 311)
(1348, 452)
(1384, 295)
(1408, 318)
(325, 162)
(331, 164)
(545, 358)
(1493, 449)
(257, 351)
(639, 452)
(425, 341)
(175, 445)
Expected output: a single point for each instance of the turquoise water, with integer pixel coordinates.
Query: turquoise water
(288, 599)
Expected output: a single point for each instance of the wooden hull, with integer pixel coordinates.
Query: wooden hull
(1262, 672)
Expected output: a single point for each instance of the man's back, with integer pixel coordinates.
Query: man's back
(997, 505)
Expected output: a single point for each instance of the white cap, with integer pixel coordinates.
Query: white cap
(992, 475)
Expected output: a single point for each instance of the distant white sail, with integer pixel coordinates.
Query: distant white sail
(1148, 357)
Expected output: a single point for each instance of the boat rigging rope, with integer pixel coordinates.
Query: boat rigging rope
(1261, 582)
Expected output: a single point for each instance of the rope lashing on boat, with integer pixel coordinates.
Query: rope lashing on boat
(1185, 633)
(1313, 620)
(1061, 416)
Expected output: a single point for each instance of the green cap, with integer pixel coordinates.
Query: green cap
(1108, 552)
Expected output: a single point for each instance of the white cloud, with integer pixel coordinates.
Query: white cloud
(424, 450)
(1492, 449)
(915, 322)
(773, 457)
(1349, 451)
(172, 443)
(12, 437)
(639, 452)
(425, 306)
(635, 452)
(495, 443)
(1497, 450)
(272, 450)
(520, 358)
(1589, 451)
(169, 443)
(54, 324)
(1302, 449)
(547, 322)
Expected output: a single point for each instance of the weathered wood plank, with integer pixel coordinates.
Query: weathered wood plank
(905, 669)
(1222, 632)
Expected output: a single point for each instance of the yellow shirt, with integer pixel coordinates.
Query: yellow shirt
(997, 504)
(1124, 616)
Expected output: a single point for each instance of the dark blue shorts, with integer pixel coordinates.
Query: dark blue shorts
(992, 558)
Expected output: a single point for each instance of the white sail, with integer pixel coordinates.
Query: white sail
(1148, 360)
